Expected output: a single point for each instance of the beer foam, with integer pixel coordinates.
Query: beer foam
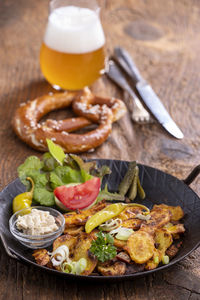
(72, 29)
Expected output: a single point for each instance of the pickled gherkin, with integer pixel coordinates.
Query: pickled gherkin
(128, 178)
(133, 188)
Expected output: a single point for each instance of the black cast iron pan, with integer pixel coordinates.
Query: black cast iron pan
(160, 188)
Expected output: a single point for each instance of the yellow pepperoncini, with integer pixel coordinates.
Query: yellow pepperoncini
(23, 200)
(108, 213)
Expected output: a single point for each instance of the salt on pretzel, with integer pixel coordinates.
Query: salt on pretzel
(89, 108)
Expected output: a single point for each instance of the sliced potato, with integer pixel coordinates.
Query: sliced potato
(73, 230)
(176, 211)
(119, 244)
(176, 236)
(67, 240)
(140, 246)
(163, 239)
(131, 223)
(174, 229)
(41, 256)
(153, 262)
(74, 218)
(81, 250)
(159, 217)
(129, 212)
(116, 269)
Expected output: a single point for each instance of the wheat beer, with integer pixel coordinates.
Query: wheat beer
(72, 53)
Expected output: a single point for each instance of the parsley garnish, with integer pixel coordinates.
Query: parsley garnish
(103, 247)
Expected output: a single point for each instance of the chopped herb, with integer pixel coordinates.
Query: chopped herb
(103, 247)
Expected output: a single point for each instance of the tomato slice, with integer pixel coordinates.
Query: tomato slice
(79, 196)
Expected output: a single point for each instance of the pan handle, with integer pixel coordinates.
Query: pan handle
(195, 172)
(6, 248)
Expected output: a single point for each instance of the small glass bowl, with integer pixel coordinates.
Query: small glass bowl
(37, 241)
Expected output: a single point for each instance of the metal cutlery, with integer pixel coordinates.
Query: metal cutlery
(138, 113)
(146, 93)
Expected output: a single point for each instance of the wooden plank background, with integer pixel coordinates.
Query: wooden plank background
(163, 38)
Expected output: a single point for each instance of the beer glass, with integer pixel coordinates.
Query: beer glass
(72, 53)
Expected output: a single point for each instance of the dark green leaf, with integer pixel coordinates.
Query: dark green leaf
(49, 162)
(100, 171)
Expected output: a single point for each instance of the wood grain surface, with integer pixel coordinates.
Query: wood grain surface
(163, 38)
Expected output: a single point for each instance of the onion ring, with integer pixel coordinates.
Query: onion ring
(89, 108)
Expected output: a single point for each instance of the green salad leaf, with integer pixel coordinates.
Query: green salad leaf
(57, 169)
(31, 166)
(43, 196)
(49, 163)
(85, 176)
(103, 247)
(56, 151)
(48, 173)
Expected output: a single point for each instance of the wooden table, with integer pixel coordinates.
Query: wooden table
(163, 38)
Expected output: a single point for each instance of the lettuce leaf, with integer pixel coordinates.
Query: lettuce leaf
(43, 196)
(47, 174)
(64, 175)
(31, 166)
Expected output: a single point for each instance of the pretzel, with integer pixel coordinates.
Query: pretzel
(89, 108)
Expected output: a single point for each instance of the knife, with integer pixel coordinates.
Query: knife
(146, 93)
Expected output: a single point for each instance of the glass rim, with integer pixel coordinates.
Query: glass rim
(16, 232)
(91, 4)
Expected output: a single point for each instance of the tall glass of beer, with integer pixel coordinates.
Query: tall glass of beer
(72, 53)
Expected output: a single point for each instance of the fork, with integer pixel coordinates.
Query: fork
(138, 113)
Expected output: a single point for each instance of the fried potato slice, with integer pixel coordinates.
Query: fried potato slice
(176, 211)
(140, 246)
(73, 230)
(119, 244)
(67, 240)
(116, 269)
(174, 229)
(132, 223)
(129, 212)
(153, 262)
(176, 236)
(160, 216)
(81, 250)
(164, 239)
(74, 218)
(41, 256)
